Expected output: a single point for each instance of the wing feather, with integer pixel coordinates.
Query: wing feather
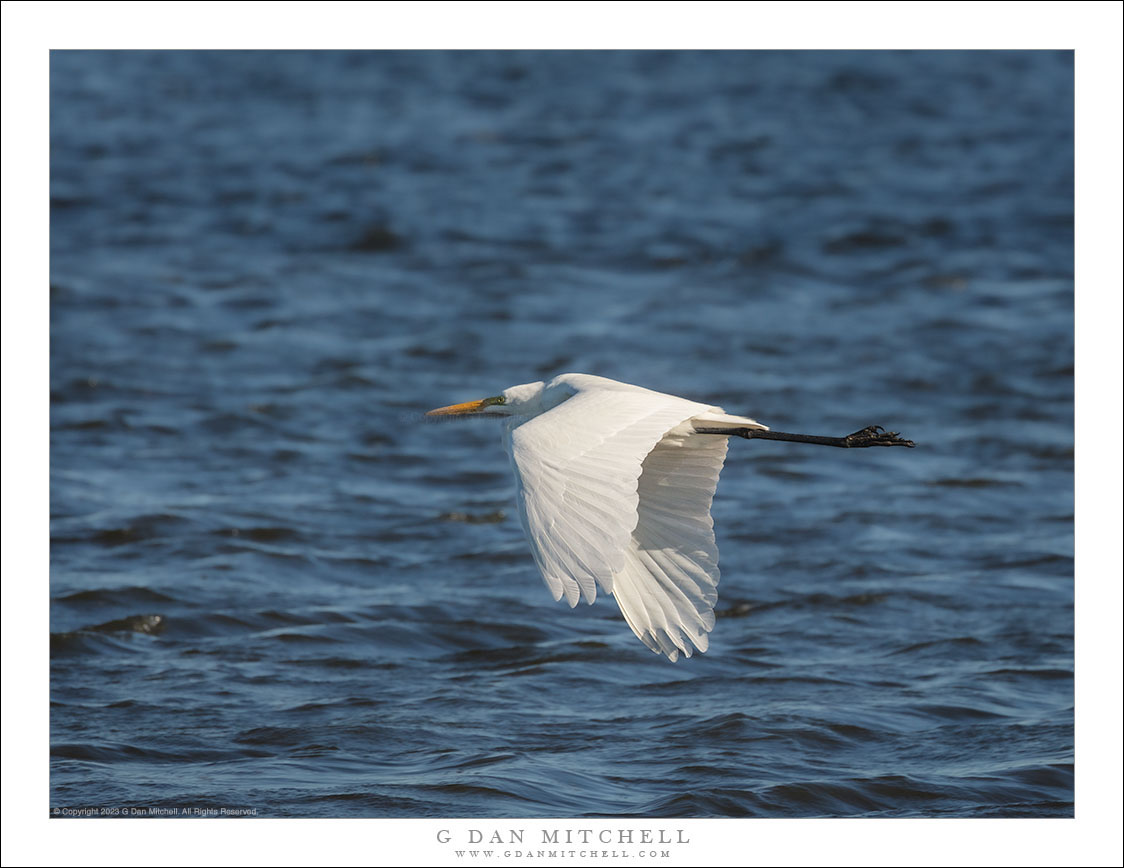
(615, 489)
(669, 586)
(578, 467)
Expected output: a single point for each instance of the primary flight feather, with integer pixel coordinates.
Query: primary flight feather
(614, 486)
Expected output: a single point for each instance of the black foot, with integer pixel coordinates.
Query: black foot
(876, 435)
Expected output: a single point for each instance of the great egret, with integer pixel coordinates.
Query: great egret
(614, 484)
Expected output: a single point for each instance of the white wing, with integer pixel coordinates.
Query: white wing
(615, 489)
(669, 584)
(577, 468)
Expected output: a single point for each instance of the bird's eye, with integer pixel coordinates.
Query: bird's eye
(501, 400)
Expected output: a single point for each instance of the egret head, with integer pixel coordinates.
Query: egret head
(524, 400)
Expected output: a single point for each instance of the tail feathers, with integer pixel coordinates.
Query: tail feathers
(713, 419)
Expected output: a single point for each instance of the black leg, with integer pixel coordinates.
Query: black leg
(872, 435)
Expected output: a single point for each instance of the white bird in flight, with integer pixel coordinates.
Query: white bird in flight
(614, 486)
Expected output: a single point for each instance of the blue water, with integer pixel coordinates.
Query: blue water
(273, 587)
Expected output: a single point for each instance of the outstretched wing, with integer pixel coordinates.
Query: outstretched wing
(577, 468)
(668, 585)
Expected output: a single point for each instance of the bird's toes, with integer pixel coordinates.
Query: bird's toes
(876, 435)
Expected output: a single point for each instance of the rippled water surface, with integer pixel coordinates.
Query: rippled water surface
(273, 587)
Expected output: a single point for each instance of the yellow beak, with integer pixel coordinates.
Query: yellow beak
(459, 409)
